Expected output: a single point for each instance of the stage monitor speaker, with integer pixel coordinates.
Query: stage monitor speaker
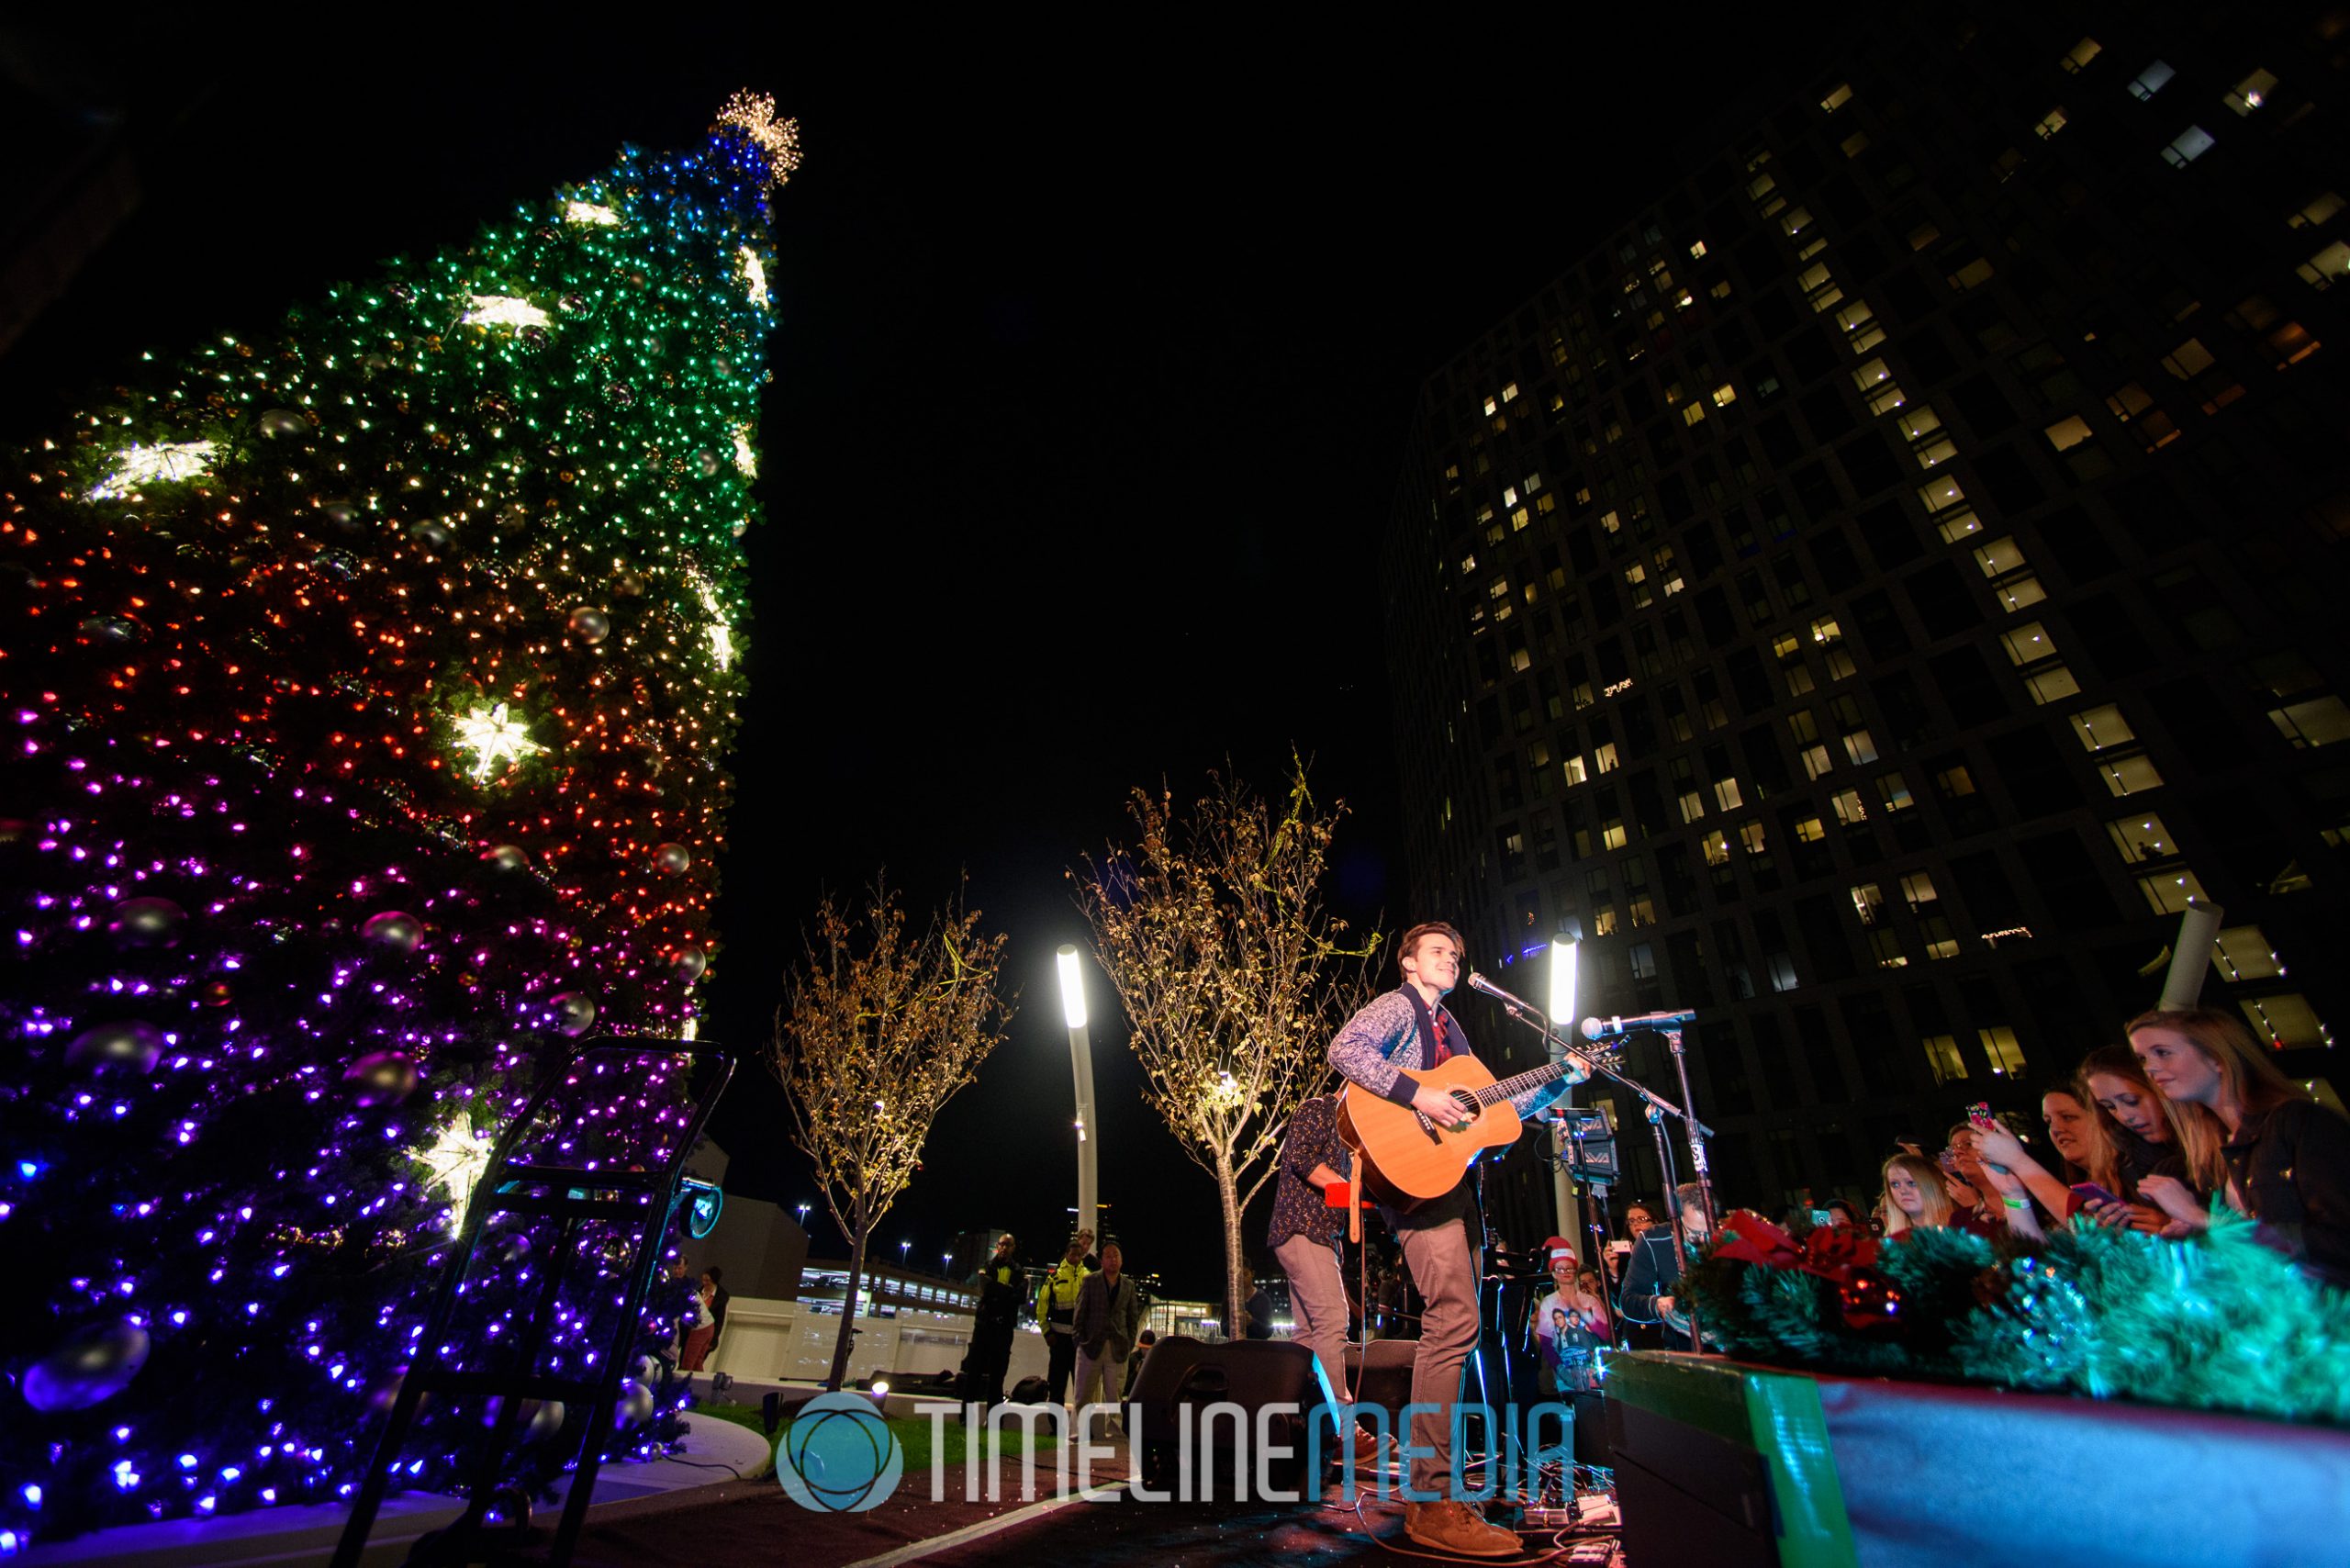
(1182, 1373)
(1381, 1373)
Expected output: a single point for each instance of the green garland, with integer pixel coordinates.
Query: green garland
(2220, 1322)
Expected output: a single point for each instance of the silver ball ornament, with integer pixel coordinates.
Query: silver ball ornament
(691, 961)
(146, 922)
(433, 535)
(635, 1406)
(575, 1011)
(506, 858)
(590, 625)
(394, 930)
(381, 1078)
(129, 1043)
(90, 1368)
(672, 859)
(276, 422)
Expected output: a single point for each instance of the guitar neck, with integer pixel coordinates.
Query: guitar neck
(1534, 1077)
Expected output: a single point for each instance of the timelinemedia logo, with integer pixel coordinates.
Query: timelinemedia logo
(839, 1455)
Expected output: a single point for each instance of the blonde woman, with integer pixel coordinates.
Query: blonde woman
(2285, 1159)
(2154, 1136)
(1913, 1198)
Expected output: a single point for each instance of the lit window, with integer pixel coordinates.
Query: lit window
(1849, 808)
(1886, 398)
(1884, 946)
(1867, 901)
(2081, 53)
(2141, 838)
(1855, 144)
(2027, 643)
(1725, 395)
(1720, 290)
(2242, 953)
(1919, 422)
(1794, 223)
(1468, 564)
(2150, 81)
(1999, 556)
(1810, 830)
(1697, 249)
(1815, 761)
(1935, 453)
(2000, 1045)
(1576, 772)
(1942, 1058)
(1612, 521)
(2017, 593)
(1717, 849)
(2286, 1021)
(1940, 496)
(2320, 722)
(1923, 235)
(1692, 805)
(1509, 495)
(1860, 748)
(1750, 837)
(1492, 405)
(2190, 359)
(1918, 887)
(2067, 434)
(2129, 775)
(2172, 891)
(2251, 93)
(1533, 482)
(1611, 835)
(1509, 393)
(1940, 942)
(2051, 123)
(1726, 794)
(2327, 267)
(1837, 99)
(1692, 412)
(1956, 781)
(1761, 185)
(1606, 758)
(1871, 374)
(1957, 526)
(2101, 727)
(2052, 684)
(1826, 630)
(1971, 276)
(2316, 212)
(2188, 145)
(1894, 791)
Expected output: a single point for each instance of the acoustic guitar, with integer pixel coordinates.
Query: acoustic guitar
(1403, 1159)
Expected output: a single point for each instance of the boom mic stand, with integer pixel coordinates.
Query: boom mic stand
(1658, 1108)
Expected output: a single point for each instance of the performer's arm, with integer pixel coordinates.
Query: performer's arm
(1359, 1050)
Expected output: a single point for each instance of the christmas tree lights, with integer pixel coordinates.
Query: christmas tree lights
(371, 681)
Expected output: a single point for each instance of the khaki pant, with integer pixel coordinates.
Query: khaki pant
(1445, 1274)
(1317, 1297)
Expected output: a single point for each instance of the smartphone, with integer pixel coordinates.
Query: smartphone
(1978, 1116)
(2090, 1193)
(1821, 1216)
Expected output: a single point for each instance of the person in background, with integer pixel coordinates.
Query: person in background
(2152, 1137)
(1914, 1197)
(1109, 1317)
(2287, 1158)
(1057, 1314)
(1255, 1306)
(1143, 1343)
(1638, 1220)
(1654, 1271)
(720, 1295)
(704, 1330)
(1570, 1322)
(1841, 1212)
(996, 1317)
(1304, 1236)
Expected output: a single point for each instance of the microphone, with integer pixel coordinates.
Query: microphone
(1606, 1028)
(1479, 982)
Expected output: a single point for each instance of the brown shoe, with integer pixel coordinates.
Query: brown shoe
(1458, 1528)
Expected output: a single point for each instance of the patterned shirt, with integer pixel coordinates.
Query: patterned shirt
(1298, 1205)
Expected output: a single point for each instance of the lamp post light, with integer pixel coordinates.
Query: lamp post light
(1564, 953)
(904, 1248)
(803, 1214)
(1080, 1055)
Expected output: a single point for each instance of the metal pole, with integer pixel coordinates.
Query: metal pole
(2198, 927)
(1080, 1056)
(1696, 1133)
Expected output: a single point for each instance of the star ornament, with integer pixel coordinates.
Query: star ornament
(493, 738)
(753, 114)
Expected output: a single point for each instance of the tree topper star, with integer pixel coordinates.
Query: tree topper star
(754, 115)
(491, 737)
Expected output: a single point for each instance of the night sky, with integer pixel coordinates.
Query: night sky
(1095, 359)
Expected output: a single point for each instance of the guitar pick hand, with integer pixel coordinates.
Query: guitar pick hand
(1441, 1108)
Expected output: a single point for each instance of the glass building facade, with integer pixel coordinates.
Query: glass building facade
(1867, 598)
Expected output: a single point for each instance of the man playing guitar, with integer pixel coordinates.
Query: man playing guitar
(1409, 1028)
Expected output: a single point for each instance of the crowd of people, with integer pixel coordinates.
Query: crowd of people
(2191, 1116)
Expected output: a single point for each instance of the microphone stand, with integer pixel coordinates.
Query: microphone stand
(1658, 1108)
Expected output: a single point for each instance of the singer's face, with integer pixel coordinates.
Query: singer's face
(1438, 963)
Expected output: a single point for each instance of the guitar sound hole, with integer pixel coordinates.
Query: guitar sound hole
(1467, 1103)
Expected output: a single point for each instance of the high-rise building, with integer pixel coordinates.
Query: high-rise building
(1870, 594)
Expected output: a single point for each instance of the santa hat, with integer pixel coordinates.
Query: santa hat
(1558, 1246)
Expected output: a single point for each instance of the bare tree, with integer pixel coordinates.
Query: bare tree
(1233, 975)
(875, 1035)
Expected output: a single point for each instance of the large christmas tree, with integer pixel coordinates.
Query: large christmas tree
(369, 684)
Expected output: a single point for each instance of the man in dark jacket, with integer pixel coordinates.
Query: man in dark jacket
(1000, 1286)
(1655, 1269)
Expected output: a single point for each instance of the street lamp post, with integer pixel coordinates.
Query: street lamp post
(1564, 951)
(803, 1214)
(1080, 1055)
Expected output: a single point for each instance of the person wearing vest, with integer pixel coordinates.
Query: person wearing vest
(1109, 1317)
(1057, 1314)
(998, 1286)
(1409, 1028)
